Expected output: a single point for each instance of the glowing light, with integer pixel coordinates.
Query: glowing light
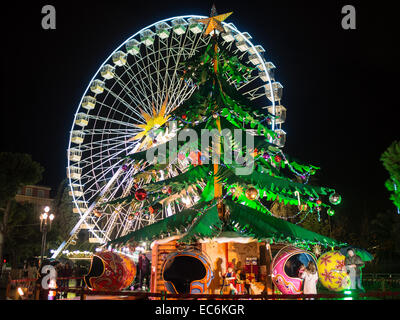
(20, 291)
(46, 209)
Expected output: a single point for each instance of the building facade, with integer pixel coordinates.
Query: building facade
(39, 196)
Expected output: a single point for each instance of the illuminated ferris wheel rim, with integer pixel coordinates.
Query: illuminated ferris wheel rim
(230, 26)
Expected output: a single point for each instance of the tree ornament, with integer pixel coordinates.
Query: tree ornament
(181, 156)
(124, 167)
(330, 212)
(335, 198)
(278, 158)
(251, 193)
(97, 213)
(130, 217)
(169, 190)
(140, 194)
(303, 207)
(151, 210)
(266, 156)
(215, 115)
(318, 202)
(164, 189)
(184, 117)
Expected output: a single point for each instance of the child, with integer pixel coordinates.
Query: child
(310, 277)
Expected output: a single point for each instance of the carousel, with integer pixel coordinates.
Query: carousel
(221, 259)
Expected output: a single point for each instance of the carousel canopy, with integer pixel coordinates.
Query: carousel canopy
(201, 222)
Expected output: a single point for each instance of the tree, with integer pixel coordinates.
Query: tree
(16, 170)
(218, 109)
(391, 161)
(23, 237)
(65, 218)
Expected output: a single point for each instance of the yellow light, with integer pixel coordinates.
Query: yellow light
(20, 291)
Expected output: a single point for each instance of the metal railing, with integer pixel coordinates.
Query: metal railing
(32, 291)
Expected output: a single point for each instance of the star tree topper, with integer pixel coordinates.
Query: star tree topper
(214, 21)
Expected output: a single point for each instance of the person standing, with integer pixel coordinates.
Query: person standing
(143, 271)
(310, 276)
(353, 265)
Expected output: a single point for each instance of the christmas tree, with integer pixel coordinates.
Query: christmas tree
(227, 185)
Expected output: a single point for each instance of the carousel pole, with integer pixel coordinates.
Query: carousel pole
(268, 279)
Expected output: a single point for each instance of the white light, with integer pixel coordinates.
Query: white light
(51, 217)
(46, 209)
(20, 292)
(44, 216)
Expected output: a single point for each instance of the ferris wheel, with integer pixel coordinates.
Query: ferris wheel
(141, 79)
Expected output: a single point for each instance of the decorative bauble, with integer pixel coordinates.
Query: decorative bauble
(164, 189)
(266, 156)
(332, 274)
(187, 272)
(251, 193)
(110, 271)
(184, 117)
(318, 202)
(140, 194)
(169, 190)
(278, 158)
(215, 115)
(285, 269)
(130, 217)
(335, 198)
(97, 213)
(303, 207)
(124, 167)
(330, 212)
(181, 156)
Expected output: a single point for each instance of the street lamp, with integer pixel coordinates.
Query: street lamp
(45, 221)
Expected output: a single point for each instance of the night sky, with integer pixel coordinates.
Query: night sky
(340, 85)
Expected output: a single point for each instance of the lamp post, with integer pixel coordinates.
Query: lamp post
(45, 222)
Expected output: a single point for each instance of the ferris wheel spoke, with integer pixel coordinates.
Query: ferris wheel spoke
(126, 104)
(135, 100)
